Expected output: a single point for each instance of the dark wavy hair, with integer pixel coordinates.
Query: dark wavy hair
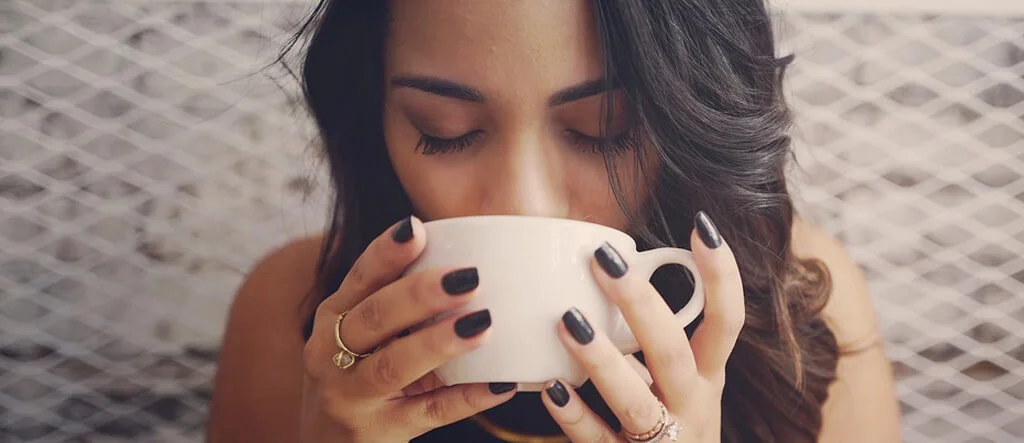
(705, 85)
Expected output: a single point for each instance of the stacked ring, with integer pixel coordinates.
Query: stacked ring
(661, 430)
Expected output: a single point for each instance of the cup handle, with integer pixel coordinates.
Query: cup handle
(649, 261)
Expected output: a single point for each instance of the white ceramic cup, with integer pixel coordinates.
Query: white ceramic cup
(532, 270)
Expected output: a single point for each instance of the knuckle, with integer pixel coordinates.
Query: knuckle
(605, 437)
(435, 410)
(369, 314)
(472, 401)
(435, 346)
(640, 412)
(385, 372)
(423, 289)
(357, 274)
(395, 259)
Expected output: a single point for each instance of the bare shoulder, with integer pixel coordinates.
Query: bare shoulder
(850, 311)
(285, 275)
(258, 386)
(274, 289)
(862, 403)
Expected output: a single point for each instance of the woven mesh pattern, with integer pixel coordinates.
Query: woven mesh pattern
(911, 142)
(145, 165)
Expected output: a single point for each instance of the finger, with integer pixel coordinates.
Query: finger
(658, 332)
(425, 383)
(724, 312)
(404, 303)
(627, 395)
(448, 405)
(409, 358)
(382, 262)
(640, 369)
(577, 420)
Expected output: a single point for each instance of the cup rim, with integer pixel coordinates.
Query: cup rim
(474, 219)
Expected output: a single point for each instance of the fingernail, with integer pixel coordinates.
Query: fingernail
(559, 395)
(473, 324)
(501, 388)
(403, 231)
(460, 281)
(611, 261)
(707, 231)
(578, 326)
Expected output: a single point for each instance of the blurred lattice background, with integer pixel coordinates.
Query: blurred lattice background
(145, 163)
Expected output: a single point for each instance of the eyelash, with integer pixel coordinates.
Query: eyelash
(430, 145)
(617, 144)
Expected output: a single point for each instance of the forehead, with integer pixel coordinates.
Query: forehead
(495, 45)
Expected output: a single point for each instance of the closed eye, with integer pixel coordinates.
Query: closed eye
(616, 144)
(431, 145)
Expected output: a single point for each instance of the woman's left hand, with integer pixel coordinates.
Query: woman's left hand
(688, 376)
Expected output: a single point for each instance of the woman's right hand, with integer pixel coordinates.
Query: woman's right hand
(390, 395)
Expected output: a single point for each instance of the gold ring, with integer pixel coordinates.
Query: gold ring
(662, 429)
(345, 358)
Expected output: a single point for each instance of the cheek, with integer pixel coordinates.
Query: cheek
(594, 199)
(436, 188)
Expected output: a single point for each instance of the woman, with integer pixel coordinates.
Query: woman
(632, 114)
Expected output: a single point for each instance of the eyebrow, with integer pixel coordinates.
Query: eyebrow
(580, 91)
(438, 86)
(450, 89)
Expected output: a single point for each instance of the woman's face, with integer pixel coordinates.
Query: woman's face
(495, 107)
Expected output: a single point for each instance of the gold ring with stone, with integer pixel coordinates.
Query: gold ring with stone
(345, 358)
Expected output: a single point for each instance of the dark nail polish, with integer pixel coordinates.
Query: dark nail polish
(707, 231)
(611, 261)
(403, 231)
(501, 388)
(473, 324)
(559, 395)
(578, 326)
(460, 281)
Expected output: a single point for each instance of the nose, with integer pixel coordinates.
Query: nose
(525, 179)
